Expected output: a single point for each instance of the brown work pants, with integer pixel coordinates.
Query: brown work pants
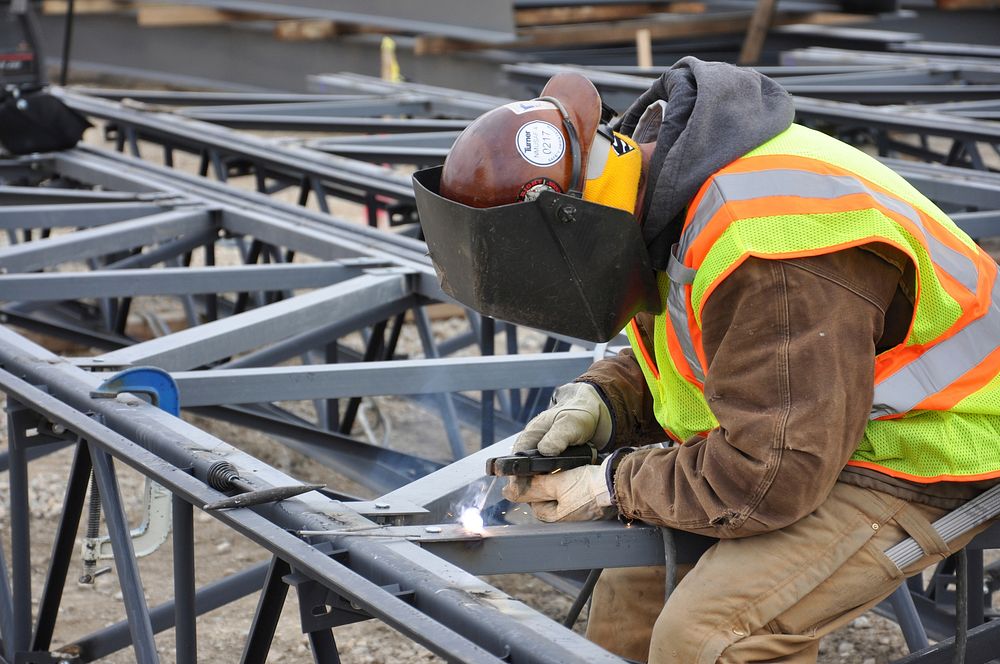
(771, 597)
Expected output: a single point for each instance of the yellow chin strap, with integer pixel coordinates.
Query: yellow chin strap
(617, 183)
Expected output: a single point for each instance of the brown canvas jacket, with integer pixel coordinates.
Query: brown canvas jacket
(790, 347)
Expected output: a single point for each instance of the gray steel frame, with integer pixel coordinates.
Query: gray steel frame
(147, 215)
(374, 276)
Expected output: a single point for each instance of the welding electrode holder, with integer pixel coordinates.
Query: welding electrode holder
(223, 476)
(533, 462)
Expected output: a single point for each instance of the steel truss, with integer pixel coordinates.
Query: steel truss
(242, 319)
(895, 130)
(305, 281)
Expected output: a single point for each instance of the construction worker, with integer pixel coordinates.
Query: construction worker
(823, 354)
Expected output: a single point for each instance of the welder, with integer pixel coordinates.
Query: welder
(815, 338)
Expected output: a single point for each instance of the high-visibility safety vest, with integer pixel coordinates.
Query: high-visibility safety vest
(935, 412)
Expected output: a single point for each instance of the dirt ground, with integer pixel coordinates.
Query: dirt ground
(219, 552)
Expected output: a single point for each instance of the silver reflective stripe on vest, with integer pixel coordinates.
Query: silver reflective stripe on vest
(941, 365)
(790, 182)
(680, 276)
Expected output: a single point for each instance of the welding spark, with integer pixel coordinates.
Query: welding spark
(472, 520)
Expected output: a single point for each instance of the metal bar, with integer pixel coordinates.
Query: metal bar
(332, 124)
(11, 195)
(77, 215)
(511, 549)
(258, 216)
(165, 251)
(229, 336)
(333, 170)
(488, 336)
(208, 598)
(62, 330)
(185, 596)
(139, 624)
(368, 106)
(373, 350)
(449, 416)
(978, 224)
(102, 240)
(981, 647)
(318, 336)
(62, 549)
(6, 610)
(420, 376)
(175, 280)
(377, 468)
(323, 647)
(189, 98)
(973, 513)
(265, 618)
(20, 527)
(908, 619)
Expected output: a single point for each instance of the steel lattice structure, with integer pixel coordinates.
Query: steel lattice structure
(306, 280)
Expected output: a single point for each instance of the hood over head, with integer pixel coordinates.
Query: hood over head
(714, 114)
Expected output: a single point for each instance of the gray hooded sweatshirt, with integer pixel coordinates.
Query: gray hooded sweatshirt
(714, 114)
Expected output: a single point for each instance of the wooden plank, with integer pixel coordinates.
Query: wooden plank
(151, 16)
(643, 48)
(760, 23)
(666, 26)
(86, 6)
(582, 13)
(661, 26)
(687, 7)
(308, 30)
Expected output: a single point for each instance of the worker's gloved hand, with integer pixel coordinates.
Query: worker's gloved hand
(578, 494)
(578, 415)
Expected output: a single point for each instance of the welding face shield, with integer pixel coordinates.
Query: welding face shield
(513, 236)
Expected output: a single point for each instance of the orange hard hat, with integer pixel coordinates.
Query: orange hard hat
(510, 153)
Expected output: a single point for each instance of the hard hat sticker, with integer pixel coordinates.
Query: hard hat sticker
(540, 143)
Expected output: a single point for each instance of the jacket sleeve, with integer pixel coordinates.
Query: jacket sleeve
(623, 387)
(790, 349)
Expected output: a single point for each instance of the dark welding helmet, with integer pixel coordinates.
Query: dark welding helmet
(509, 232)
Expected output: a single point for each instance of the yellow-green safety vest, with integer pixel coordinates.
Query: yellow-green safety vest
(935, 412)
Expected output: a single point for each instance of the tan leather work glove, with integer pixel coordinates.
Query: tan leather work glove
(578, 494)
(578, 415)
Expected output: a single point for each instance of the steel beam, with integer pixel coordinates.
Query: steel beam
(185, 133)
(12, 195)
(278, 121)
(178, 280)
(213, 341)
(395, 377)
(514, 548)
(445, 598)
(376, 468)
(75, 215)
(103, 240)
